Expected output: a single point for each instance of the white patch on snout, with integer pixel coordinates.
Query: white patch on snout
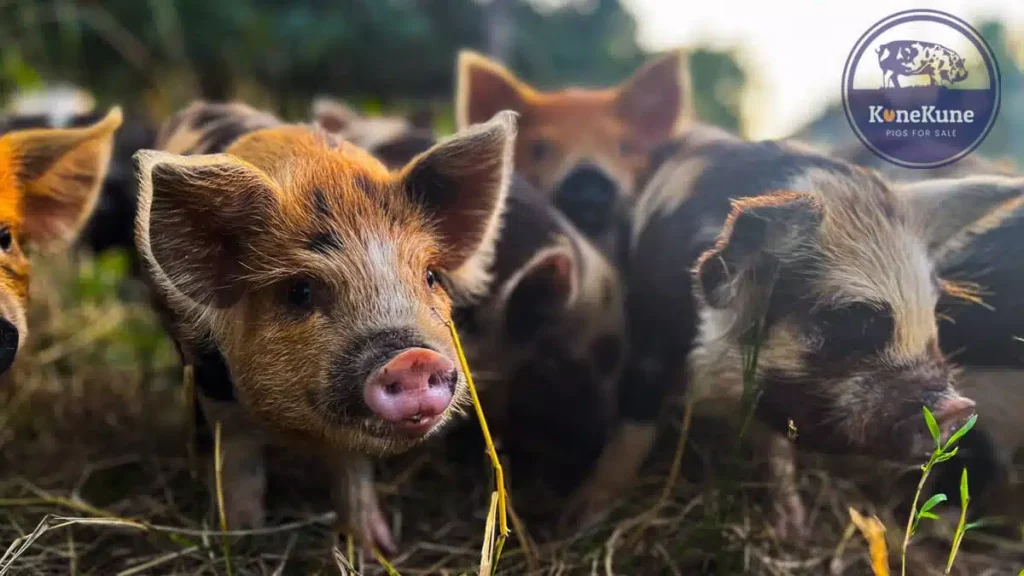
(393, 303)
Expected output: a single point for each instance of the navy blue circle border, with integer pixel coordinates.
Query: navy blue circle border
(940, 17)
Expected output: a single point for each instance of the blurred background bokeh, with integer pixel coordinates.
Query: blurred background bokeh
(760, 68)
(763, 69)
(395, 55)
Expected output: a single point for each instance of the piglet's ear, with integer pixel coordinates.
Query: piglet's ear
(657, 100)
(946, 210)
(334, 116)
(60, 172)
(539, 293)
(757, 229)
(483, 88)
(196, 218)
(462, 183)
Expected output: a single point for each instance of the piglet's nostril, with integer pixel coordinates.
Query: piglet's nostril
(410, 391)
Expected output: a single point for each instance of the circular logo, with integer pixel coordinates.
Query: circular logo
(921, 89)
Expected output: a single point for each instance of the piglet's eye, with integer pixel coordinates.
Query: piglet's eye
(431, 279)
(6, 240)
(300, 294)
(857, 327)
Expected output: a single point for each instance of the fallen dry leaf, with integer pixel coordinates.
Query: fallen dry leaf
(874, 532)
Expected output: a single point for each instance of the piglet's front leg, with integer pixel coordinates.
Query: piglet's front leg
(243, 480)
(355, 501)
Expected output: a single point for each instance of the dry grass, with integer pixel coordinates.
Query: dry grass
(95, 478)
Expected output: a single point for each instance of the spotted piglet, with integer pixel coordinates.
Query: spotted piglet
(818, 263)
(309, 288)
(549, 333)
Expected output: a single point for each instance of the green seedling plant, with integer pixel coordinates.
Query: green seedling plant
(942, 453)
(962, 526)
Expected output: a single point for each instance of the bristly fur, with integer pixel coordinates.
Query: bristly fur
(249, 215)
(291, 267)
(549, 330)
(829, 279)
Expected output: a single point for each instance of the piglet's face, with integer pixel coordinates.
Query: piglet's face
(846, 296)
(49, 182)
(325, 279)
(583, 148)
(561, 320)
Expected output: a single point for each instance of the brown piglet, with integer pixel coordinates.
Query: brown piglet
(309, 287)
(584, 149)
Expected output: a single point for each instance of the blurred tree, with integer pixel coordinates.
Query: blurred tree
(1003, 141)
(158, 54)
(500, 27)
(718, 81)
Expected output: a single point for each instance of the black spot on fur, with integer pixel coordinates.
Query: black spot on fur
(320, 202)
(325, 242)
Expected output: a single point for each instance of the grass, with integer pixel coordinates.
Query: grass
(491, 552)
(942, 453)
(96, 478)
(874, 531)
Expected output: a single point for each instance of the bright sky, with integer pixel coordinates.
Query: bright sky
(795, 49)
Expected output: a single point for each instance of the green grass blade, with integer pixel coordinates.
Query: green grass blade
(964, 490)
(963, 430)
(932, 503)
(946, 455)
(933, 427)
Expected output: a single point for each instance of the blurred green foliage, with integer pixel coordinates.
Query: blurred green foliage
(138, 339)
(155, 55)
(719, 81)
(1004, 140)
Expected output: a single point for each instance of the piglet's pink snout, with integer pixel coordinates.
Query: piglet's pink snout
(412, 390)
(951, 413)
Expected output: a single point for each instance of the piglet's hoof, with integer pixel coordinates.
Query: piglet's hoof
(370, 529)
(243, 503)
(245, 515)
